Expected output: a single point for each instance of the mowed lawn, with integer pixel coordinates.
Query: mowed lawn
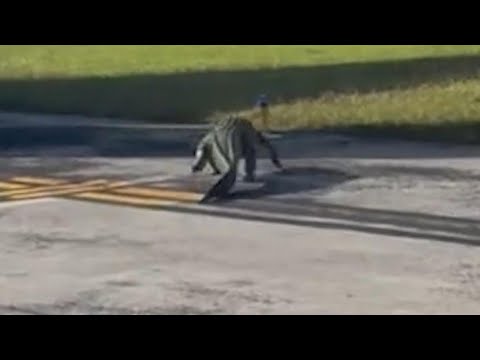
(424, 91)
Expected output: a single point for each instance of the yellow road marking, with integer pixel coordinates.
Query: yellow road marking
(183, 196)
(11, 186)
(37, 181)
(85, 187)
(120, 199)
(45, 189)
(125, 189)
(28, 188)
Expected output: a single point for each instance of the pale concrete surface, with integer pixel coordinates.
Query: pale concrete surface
(60, 256)
(63, 257)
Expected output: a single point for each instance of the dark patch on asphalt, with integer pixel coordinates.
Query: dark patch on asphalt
(43, 167)
(89, 302)
(15, 274)
(312, 171)
(240, 283)
(225, 297)
(44, 242)
(432, 173)
(121, 283)
(102, 142)
(77, 308)
(47, 241)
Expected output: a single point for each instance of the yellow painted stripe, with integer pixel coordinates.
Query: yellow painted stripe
(62, 192)
(53, 182)
(165, 194)
(120, 199)
(37, 181)
(47, 189)
(11, 186)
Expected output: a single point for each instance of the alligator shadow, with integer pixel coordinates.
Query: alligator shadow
(297, 212)
(291, 180)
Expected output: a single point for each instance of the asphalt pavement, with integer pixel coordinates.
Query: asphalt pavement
(103, 217)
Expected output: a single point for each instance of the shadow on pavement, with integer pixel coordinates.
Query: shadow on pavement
(392, 223)
(89, 141)
(101, 142)
(293, 179)
(409, 225)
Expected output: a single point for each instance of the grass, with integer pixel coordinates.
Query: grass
(67, 61)
(446, 112)
(422, 91)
